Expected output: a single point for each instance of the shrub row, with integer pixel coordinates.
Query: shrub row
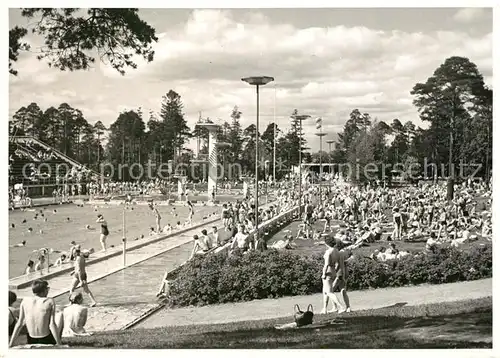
(220, 278)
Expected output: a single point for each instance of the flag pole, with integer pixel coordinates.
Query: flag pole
(124, 239)
(274, 137)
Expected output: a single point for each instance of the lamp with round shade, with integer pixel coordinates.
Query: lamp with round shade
(257, 81)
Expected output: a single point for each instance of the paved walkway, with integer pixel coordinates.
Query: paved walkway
(282, 307)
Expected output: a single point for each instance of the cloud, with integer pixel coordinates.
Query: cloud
(322, 71)
(468, 15)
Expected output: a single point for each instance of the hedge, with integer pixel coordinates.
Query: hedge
(219, 278)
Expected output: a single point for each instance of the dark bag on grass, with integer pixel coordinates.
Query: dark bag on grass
(303, 318)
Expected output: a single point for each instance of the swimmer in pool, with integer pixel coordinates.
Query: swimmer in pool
(21, 244)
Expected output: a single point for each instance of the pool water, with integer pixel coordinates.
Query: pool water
(57, 232)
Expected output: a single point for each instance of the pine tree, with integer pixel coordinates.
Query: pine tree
(175, 130)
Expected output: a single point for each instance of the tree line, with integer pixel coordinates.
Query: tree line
(454, 101)
(154, 138)
(458, 108)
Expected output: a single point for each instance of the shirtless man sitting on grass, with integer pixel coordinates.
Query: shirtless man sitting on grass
(38, 313)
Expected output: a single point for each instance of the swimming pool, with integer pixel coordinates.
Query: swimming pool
(57, 232)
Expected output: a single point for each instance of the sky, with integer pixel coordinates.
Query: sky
(326, 62)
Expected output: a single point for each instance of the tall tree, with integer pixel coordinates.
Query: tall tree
(445, 100)
(268, 137)
(116, 35)
(296, 139)
(123, 134)
(175, 129)
(248, 153)
(348, 136)
(99, 130)
(29, 121)
(69, 118)
(235, 134)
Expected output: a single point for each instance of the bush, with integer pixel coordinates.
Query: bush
(219, 278)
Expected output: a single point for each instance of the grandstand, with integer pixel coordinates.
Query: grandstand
(41, 168)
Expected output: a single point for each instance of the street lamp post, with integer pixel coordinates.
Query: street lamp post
(319, 125)
(330, 142)
(257, 81)
(451, 172)
(300, 118)
(274, 138)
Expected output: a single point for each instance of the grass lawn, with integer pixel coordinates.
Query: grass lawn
(462, 324)
(308, 247)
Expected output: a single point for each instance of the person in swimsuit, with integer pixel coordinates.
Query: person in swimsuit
(334, 268)
(74, 317)
(158, 217)
(200, 246)
(104, 231)
(442, 222)
(241, 239)
(308, 218)
(191, 213)
(30, 267)
(226, 216)
(80, 276)
(397, 220)
(13, 313)
(40, 265)
(21, 244)
(38, 313)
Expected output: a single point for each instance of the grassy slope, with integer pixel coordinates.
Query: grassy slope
(463, 324)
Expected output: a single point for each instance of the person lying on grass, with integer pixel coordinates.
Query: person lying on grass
(391, 253)
(287, 243)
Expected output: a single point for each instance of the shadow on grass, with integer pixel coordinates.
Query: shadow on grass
(467, 324)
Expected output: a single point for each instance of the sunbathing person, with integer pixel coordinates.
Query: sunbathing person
(74, 317)
(38, 313)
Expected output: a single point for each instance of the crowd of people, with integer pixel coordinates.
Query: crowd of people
(338, 215)
(239, 224)
(414, 213)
